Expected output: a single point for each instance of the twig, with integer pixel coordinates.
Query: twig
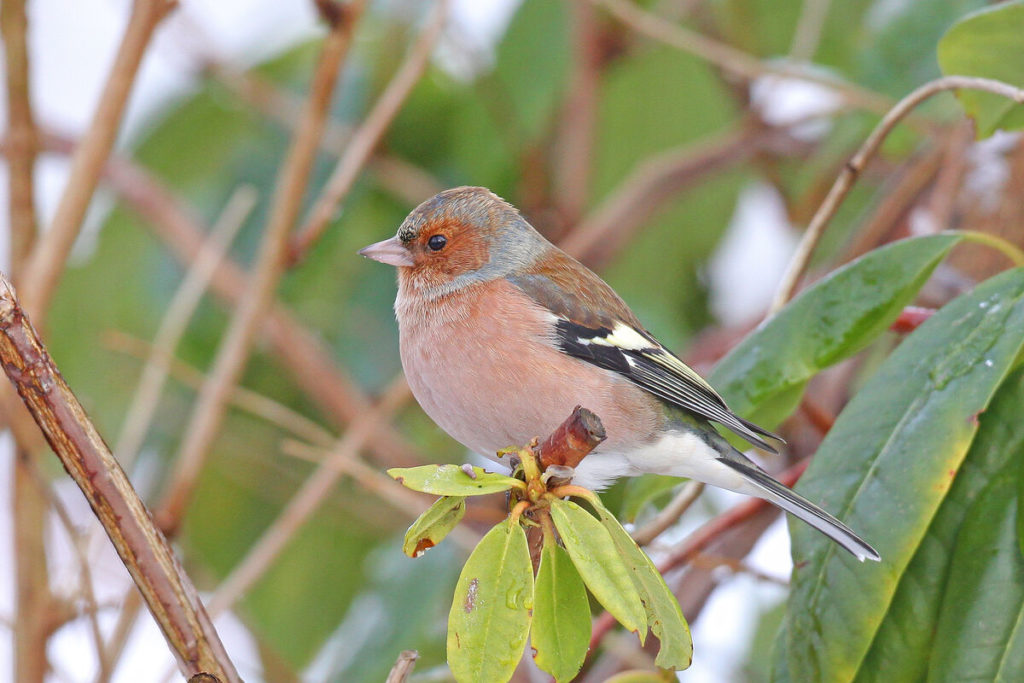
(244, 399)
(602, 234)
(299, 349)
(579, 115)
(670, 514)
(702, 538)
(112, 649)
(171, 597)
(807, 34)
(572, 440)
(175, 322)
(732, 60)
(403, 666)
(51, 250)
(850, 173)
(369, 133)
(234, 349)
(22, 136)
(306, 501)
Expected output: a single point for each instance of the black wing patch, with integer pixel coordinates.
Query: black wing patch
(659, 372)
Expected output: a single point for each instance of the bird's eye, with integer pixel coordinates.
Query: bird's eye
(437, 242)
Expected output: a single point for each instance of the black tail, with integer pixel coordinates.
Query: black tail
(800, 507)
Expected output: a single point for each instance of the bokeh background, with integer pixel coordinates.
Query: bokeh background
(680, 156)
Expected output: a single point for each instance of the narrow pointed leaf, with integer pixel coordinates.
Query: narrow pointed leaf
(763, 378)
(490, 615)
(599, 563)
(906, 638)
(886, 466)
(981, 621)
(452, 480)
(664, 617)
(561, 615)
(433, 525)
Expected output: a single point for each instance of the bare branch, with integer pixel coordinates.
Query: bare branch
(369, 133)
(848, 176)
(670, 514)
(171, 597)
(51, 250)
(403, 667)
(22, 136)
(234, 348)
(732, 60)
(175, 321)
(572, 440)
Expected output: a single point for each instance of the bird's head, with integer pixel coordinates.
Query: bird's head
(457, 238)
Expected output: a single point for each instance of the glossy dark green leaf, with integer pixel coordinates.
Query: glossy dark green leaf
(905, 639)
(979, 628)
(886, 466)
(664, 617)
(988, 43)
(452, 480)
(763, 377)
(561, 615)
(599, 563)
(490, 615)
(433, 525)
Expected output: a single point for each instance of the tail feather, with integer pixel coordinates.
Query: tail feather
(800, 507)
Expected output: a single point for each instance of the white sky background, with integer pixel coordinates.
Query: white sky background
(72, 46)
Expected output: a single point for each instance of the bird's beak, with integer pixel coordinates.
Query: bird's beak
(391, 252)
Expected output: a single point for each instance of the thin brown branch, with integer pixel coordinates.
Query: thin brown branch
(603, 233)
(22, 136)
(572, 440)
(853, 168)
(404, 665)
(365, 139)
(732, 60)
(809, 26)
(33, 598)
(308, 498)
(670, 514)
(701, 539)
(51, 250)
(234, 348)
(168, 592)
(115, 645)
(175, 322)
(250, 401)
(578, 118)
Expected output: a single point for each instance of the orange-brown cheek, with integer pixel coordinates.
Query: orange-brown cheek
(464, 257)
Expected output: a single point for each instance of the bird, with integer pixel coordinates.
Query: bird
(502, 335)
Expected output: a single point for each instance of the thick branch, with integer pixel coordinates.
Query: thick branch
(171, 597)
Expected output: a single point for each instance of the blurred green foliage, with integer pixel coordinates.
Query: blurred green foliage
(343, 575)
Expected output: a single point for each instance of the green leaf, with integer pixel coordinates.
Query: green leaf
(561, 615)
(490, 616)
(905, 639)
(599, 563)
(639, 677)
(433, 525)
(886, 466)
(452, 480)
(988, 43)
(664, 617)
(764, 376)
(980, 624)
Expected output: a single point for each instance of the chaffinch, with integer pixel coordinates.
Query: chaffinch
(502, 334)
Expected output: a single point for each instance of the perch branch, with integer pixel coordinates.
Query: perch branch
(168, 592)
(853, 168)
(403, 666)
(572, 440)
